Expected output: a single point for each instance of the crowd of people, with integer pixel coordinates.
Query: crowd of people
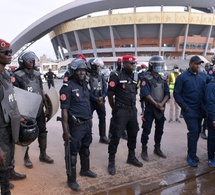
(84, 90)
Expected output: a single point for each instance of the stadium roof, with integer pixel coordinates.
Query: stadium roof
(79, 8)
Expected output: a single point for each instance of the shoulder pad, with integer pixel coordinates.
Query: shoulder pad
(148, 76)
(19, 73)
(37, 73)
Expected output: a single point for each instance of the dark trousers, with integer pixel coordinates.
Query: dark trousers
(147, 126)
(123, 119)
(6, 145)
(194, 129)
(211, 140)
(100, 110)
(50, 83)
(81, 138)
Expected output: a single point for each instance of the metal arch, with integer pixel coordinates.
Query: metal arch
(77, 8)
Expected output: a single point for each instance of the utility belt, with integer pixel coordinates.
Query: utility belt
(123, 106)
(76, 121)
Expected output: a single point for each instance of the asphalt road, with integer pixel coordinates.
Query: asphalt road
(158, 176)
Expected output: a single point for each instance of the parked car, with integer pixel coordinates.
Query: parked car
(60, 74)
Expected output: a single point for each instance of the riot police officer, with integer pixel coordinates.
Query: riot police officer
(155, 91)
(76, 122)
(9, 119)
(123, 85)
(27, 78)
(98, 92)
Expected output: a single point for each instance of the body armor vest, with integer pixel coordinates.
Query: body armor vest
(9, 106)
(31, 84)
(157, 88)
(96, 85)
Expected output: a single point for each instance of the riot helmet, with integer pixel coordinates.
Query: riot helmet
(213, 59)
(28, 132)
(95, 64)
(26, 57)
(156, 64)
(77, 63)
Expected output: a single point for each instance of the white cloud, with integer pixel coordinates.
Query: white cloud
(16, 16)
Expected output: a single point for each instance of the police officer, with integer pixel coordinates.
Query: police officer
(188, 93)
(66, 75)
(9, 119)
(76, 122)
(50, 76)
(98, 92)
(118, 68)
(27, 78)
(123, 85)
(173, 104)
(141, 74)
(155, 90)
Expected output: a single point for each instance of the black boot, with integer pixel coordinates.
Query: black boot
(124, 135)
(144, 153)
(5, 184)
(85, 164)
(13, 175)
(27, 161)
(133, 160)
(158, 151)
(111, 164)
(102, 131)
(42, 139)
(71, 175)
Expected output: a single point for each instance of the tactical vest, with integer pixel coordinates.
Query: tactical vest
(157, 88)
(31, 84)
(96, 85)
(11, 115)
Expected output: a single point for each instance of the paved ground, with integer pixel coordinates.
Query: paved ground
(158, 176)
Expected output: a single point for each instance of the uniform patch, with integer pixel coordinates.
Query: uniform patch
(143, 83)
(13, 79)
(112, 84)
(63, 97)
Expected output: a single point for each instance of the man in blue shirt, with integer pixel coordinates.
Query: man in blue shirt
(188, 93)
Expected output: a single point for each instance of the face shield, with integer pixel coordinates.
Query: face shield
(158, 67)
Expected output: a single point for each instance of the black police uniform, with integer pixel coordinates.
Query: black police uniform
(7, 99)
(98, 88)
(79, 112)
(124, 115)
(32, 82)
(74, 96)
(50, 78)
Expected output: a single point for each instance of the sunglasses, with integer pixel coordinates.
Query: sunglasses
(7, 52)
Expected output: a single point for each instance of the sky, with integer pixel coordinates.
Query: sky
(17, 15)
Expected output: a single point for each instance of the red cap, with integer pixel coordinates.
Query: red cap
(143, 66)
(119, 60)
(4, 44)
(128, 58)
(82, 57)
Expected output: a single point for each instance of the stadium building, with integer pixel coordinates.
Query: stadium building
(113, 28)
